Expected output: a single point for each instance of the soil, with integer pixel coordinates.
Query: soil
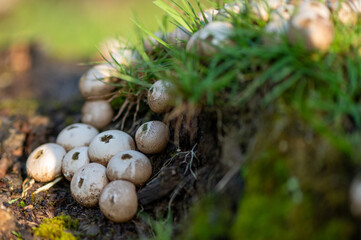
(180, 176)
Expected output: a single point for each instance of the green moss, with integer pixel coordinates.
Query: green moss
(57, 228)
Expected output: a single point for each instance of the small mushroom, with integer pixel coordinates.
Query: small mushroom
(355, 196)
(106, 144)
(283, 12)
(260, 9)
(44, 163)
(76, 135)
(158, 98)
(208, 15)
(152, 137)
(150, 43)
(345, 12)
(316, 7)
(110, 45)
(97, 113)
(213, 35)
(118, 201)
(73, 160)
(98, 82)
(312, 30)
(178, 36)
(130, 165)
(88, 183)
(235, 7)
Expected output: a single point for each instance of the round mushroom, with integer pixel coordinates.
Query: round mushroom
(152, 137)
(106, 144)
(73, 160)
(97, 113)
(178, 36)
(312, 30)
(213, 35)
(88, 183)
(98, 82)
(130, 165)
(44, 163)
(158, 98)
(76, 135)
(355, 196)
(118, 201)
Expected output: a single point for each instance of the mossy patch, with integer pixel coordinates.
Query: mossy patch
(57, 228)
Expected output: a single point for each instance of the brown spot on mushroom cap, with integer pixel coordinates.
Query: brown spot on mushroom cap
(101, 150)
(39, 154)
(126, 156)
(106, 138)
(87, 184)
(44, 163)
(75, 156)
(154, 140)
(118, 201)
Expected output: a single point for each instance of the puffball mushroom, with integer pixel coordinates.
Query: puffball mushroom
(97, 113)
(44, 163)
(73, 160)
(76, 135)
(178, 36)
(88, 183)
(118, 201)
(152, 137)
(150, 43)
(215, 34)
(208, 15)
(260, 9)
(97, 82)
(130, 165)
(344, 11)
(355, 196)
(158, 98)
(110, 45)
(312, 30)
(108, 143)
(316, 7)
(126, 56)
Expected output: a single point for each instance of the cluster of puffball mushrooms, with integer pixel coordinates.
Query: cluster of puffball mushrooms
(105, 168)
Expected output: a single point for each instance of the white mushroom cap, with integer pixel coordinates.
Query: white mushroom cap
(73, 160)
(106, 144)
(124, 56)
(213, 34)
(314, 31)
(76, 135)
(178, 36)
(208, 15)
(159, 100)
(283, 12)
(273, 4)
(118, 201)
(355, 5)
(98, 82)
(110, 45)
(97, 113)
(88, 183)
(260, 9)
(355, 196)
(44, 163)
(278, 26)
(236, 6)
(152, 137)
(150, 43)
(130, 165)
(345, 12)
(317, 7)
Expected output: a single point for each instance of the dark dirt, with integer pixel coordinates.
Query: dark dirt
(176, 182)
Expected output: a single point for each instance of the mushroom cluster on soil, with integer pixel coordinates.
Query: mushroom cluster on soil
(105, 168)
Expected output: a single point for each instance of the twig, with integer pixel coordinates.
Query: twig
(47, 186)
(121, 110)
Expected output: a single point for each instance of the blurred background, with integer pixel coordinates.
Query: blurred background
(68, 29)
(46, 44)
